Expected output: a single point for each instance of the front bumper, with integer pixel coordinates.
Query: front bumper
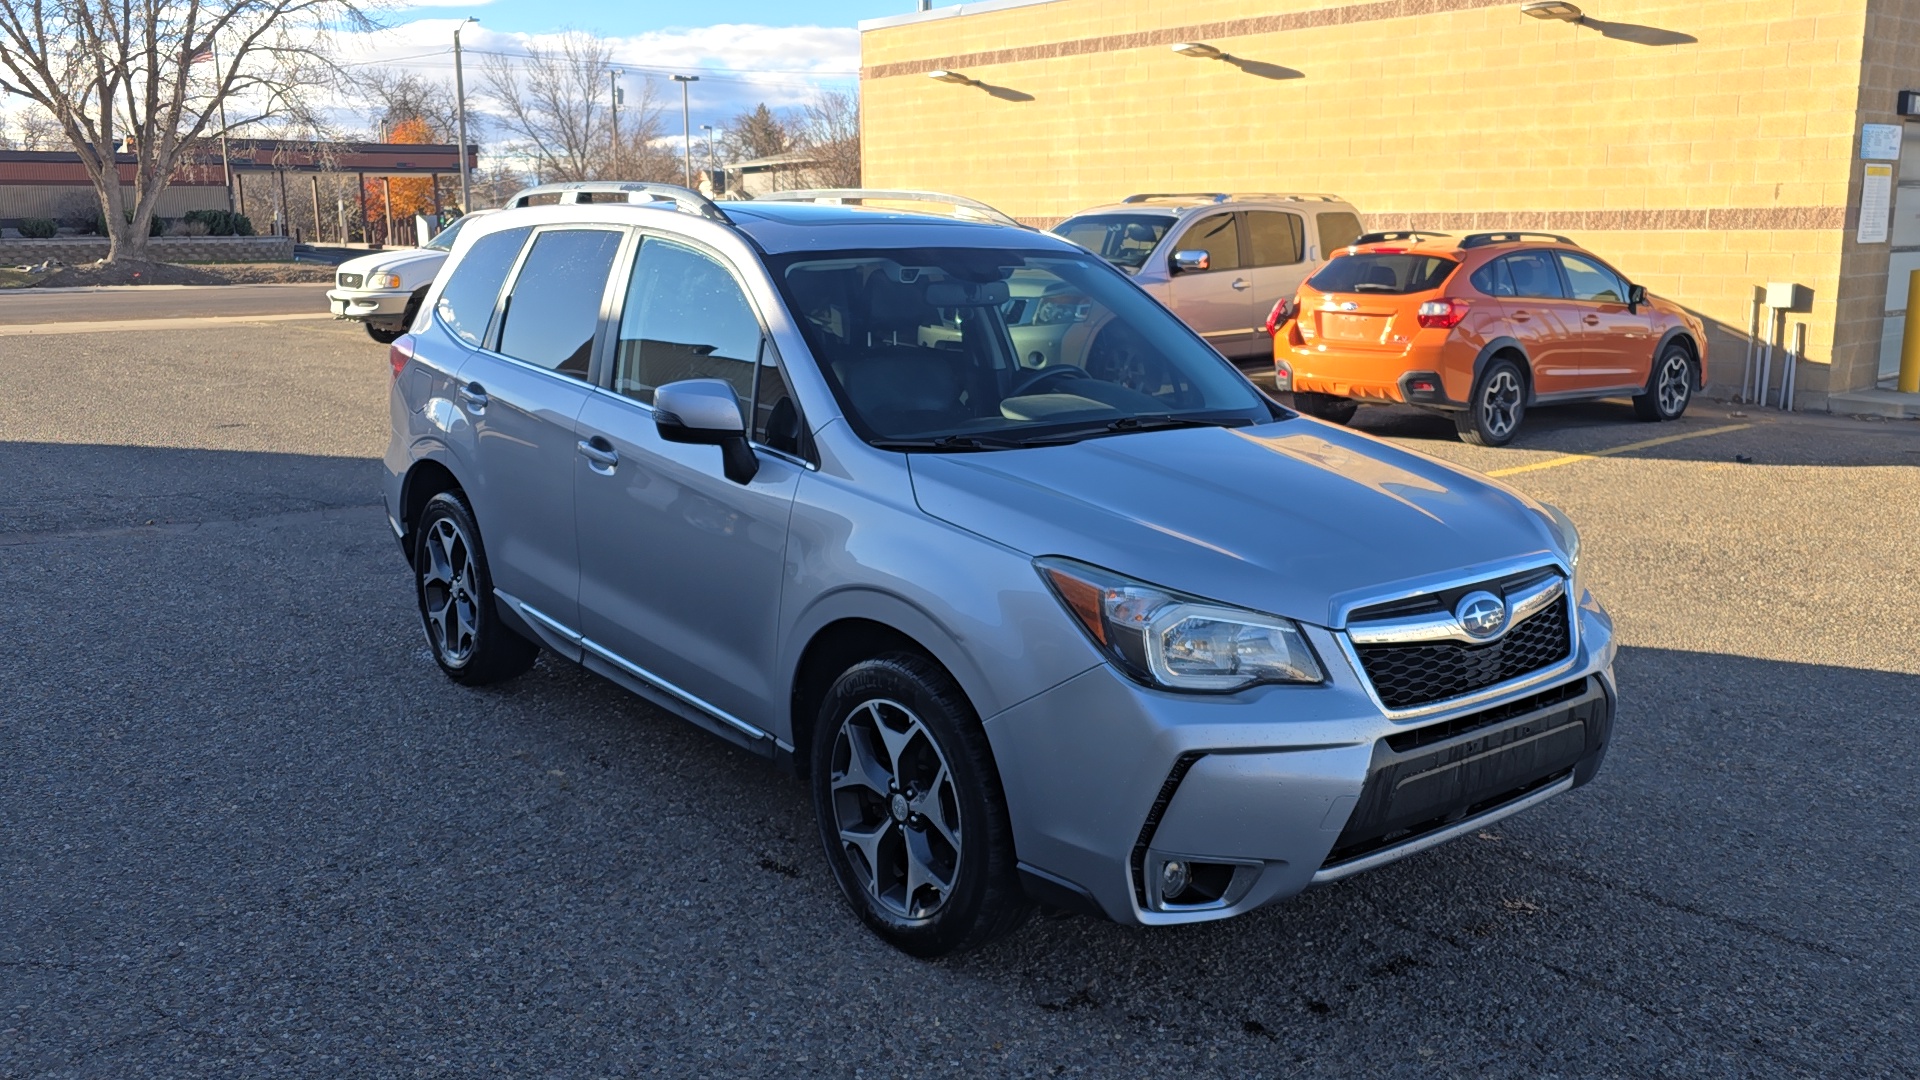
(1274, 789)
(354, 304)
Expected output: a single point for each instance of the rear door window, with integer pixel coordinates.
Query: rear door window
(1588, 280)
(1278, 239)
(1217, 237)
(553, 312)
(467, 300)
(1385, 273)
(1337, 231)
(1493, 279)
(685, 318)
(1534, 274)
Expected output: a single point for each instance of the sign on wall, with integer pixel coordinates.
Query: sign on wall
(1876, 204)
(1880, 142)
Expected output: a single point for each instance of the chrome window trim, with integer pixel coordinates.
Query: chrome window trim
(1470, 575)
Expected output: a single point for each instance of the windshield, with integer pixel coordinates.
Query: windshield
(1125, 240)
(444, 241)
(969, 349)
(1391, 273)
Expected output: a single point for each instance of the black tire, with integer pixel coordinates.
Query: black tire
(454, 590)
(1334, 410)
(960, 826)
(1498, 404)
(384, 336)
(1669, 386)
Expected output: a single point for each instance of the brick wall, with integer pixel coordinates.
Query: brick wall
(75, 250)
(1705, 146)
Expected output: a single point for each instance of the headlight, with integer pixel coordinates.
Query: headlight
(1179, 642)
(1569, 536)
(383, 281)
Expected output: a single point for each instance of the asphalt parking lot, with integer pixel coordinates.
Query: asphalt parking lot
(246, 828)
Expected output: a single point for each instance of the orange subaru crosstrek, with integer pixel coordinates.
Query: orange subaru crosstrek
(1483, 327)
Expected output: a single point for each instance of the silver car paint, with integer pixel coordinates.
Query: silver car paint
(1294, 517)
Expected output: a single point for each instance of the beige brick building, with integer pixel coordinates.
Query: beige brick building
(1704, 146)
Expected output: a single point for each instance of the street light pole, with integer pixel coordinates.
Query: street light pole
(460, 119)
(686, 130)
(613, 83)
(713, 159)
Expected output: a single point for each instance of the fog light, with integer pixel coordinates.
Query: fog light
(1173, 880)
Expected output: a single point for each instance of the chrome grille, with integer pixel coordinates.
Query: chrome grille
(1413, 674)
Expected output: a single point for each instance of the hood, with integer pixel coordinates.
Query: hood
(407, 262)
(1295, 518)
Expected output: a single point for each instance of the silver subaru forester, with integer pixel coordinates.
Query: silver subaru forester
(1044, 600)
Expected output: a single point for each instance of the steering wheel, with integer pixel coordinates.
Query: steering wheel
(1027, 381)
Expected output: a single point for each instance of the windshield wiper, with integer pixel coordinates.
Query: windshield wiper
(1139, 423)
(950, 442)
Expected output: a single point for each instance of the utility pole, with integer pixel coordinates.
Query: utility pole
(226, 160)
(460, 119)
(613, 83)
(713, 159)
(686, 130)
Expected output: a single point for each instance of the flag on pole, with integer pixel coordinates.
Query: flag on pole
(203, 54)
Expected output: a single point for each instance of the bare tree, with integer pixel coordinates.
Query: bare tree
(126, 71)
(554, 106)
(757, 133)
(398, 96)
(829, 130)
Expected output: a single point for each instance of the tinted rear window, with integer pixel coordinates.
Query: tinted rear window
(1395, 275)
(466, 303)
(1124, 240)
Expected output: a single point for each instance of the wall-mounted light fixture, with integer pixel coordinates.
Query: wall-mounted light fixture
(1553, 9)
(949, 76)
(1198, 50)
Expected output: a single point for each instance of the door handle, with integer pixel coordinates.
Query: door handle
(600, 454)
(1240, 283)
(1520, 316)
(474, 397)
(1592, 320)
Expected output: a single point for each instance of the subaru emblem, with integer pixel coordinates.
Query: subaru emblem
(1348, 305)
(1482, 614)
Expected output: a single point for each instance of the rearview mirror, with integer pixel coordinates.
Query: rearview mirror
(1186, 262)
(706, 412)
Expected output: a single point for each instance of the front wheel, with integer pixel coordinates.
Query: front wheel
(383, 335)
(910, 809)
(1669, 387)
(1493, 414)
(455, 591)
(1334, 410)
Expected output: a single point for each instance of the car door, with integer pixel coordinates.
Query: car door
(681, 568)
(1616, 343)
(1539, 316)
(522, 396)
(1217, 301)
(1276, 264)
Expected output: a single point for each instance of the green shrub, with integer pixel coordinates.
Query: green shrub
(38, 228)
(220, 222)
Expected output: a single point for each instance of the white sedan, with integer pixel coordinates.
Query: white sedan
(383, 290)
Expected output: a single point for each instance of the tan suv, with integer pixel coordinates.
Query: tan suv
(1219, 261)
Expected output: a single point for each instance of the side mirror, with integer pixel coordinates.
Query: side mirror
(1186, 262)
(1636, 295)
(706, 412)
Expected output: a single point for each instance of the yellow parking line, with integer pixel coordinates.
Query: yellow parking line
(1644, 444)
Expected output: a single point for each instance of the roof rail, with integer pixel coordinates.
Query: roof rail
(1398, 234)
(1482, 239)
(1229, 196)
(964, 207)
(685, 200)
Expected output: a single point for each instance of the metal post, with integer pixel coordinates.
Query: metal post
(1774, 319)
(366, 226)
(1792, 385)
(1753, 348)
(460, 119)
(226, 160)
(613, 84)
(1909, 379)
(313, 183)
(686, 130)
(386, 207)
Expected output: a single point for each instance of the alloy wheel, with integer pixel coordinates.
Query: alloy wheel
(1500, 404)
(447, 588)
(896, 809)
(1675, 385)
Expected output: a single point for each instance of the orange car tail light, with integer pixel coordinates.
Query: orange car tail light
(1281, 314)
(1442, 314)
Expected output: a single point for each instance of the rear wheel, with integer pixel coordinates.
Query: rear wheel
(910, 809)
(1498, 404)
(1334, 410)
(1669, 387)
(455, 592)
